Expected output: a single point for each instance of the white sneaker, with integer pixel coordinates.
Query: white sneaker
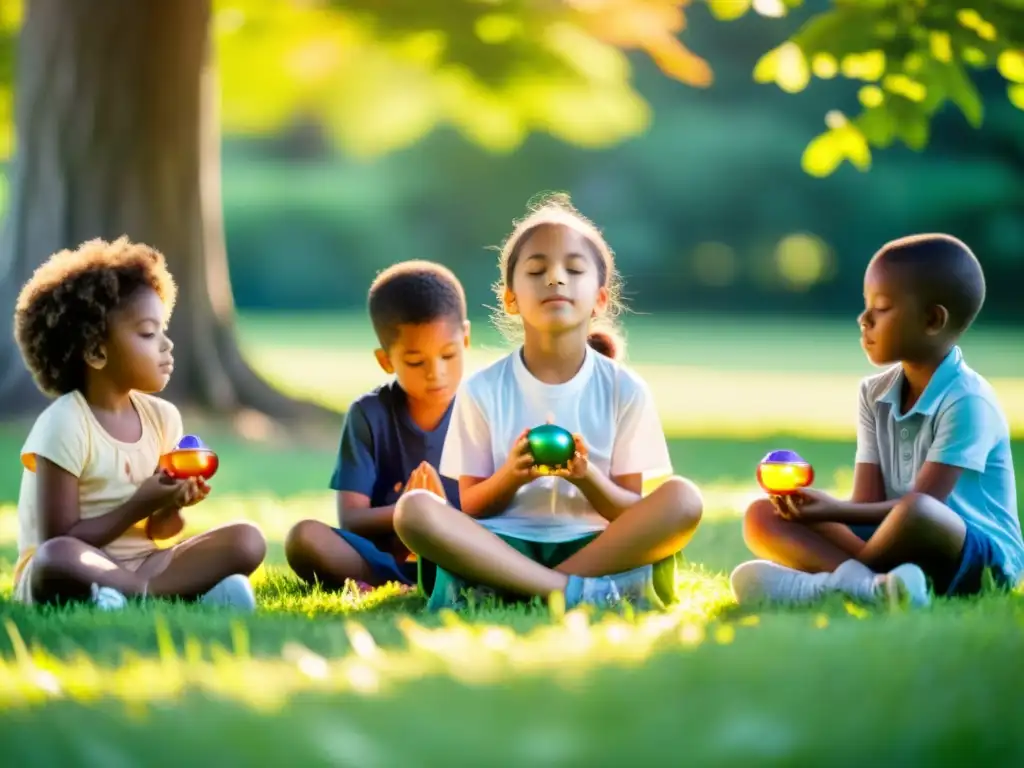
(906, 584)
(108, 598)
(233, 592)
(855, 580)
(764, 581)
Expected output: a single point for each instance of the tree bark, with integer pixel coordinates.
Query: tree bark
(117, 134)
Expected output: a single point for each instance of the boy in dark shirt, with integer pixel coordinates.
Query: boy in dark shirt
(393, 436)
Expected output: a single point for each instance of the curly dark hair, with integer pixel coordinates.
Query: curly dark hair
(413, 293)
(62, 310)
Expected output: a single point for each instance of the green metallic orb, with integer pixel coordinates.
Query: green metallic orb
(551, 446)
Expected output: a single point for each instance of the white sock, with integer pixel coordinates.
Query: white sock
(762, 580)
(856, 580)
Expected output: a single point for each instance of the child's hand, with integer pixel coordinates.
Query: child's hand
(192, 492)
(165, 524)
(158, 492)
(807, 505)
(426, 477)
(578, 464)
(520, 465)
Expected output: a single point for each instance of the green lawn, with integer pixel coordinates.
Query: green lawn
(317, 679)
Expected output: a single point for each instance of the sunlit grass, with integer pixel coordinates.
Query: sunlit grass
(346, 678)
(472, 652)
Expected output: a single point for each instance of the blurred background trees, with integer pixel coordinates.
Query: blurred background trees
(317, 142)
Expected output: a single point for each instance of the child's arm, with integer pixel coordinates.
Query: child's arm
(59, 511)
(639, 449)
(867, 504)
(610, 496)
(935, 480)
(484, 489)
(356, 515)
(486, 497)
(355, 475)
(964, 435)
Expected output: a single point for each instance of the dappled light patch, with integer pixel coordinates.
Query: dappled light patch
(461, 647)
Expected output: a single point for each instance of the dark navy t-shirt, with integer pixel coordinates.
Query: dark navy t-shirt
(381, 445)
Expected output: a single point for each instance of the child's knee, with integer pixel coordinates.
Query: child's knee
(684, 498)
(916, 508)
(55, 557)
(249, 545)
(417, 514)
(758, 522)
(56, 567)
(302, 539)
(921, 515)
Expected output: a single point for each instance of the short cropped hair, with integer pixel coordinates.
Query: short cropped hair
(414, 293)
(940, 269)
(62, 312)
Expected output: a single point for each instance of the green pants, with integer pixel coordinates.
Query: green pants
(442, 588)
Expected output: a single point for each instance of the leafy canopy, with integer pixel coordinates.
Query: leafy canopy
(380, 75)
(913, 56)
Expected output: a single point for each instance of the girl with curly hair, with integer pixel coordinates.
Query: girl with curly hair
(91, 327)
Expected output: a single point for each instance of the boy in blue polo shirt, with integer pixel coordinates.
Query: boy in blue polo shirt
(934, 491)
(393, 436)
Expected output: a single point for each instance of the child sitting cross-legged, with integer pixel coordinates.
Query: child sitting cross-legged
(586, 531)
(934, 496)
(393, 434)
(91, 326)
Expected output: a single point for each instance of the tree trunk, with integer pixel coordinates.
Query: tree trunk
(117, 134)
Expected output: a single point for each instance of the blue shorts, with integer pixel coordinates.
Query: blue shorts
(979, 555)
(383, 564)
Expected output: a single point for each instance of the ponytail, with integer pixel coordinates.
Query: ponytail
(607, 342)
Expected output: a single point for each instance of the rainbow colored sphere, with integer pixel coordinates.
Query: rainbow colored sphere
(551, 446)
(190, 458)
(781, 473)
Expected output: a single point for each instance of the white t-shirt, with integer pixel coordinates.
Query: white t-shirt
(609, 405)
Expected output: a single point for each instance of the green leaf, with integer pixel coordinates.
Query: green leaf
(871, 96)
(940, 46)
(786, 66)
(877, 126)
(827, 152)
(1011, 65)
(915, 132)
(963, 93)
(846, 30)
(823, 155)
(727, 10)
(857, 150)
(869, 65)
(824, 66)
(1016, 94)
(906, 87)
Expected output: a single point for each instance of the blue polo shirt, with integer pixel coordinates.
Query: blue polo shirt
(381, 445)
(957, 421)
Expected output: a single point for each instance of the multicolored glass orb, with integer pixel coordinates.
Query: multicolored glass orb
(191, 458)
(551, 446)
(782, 473)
